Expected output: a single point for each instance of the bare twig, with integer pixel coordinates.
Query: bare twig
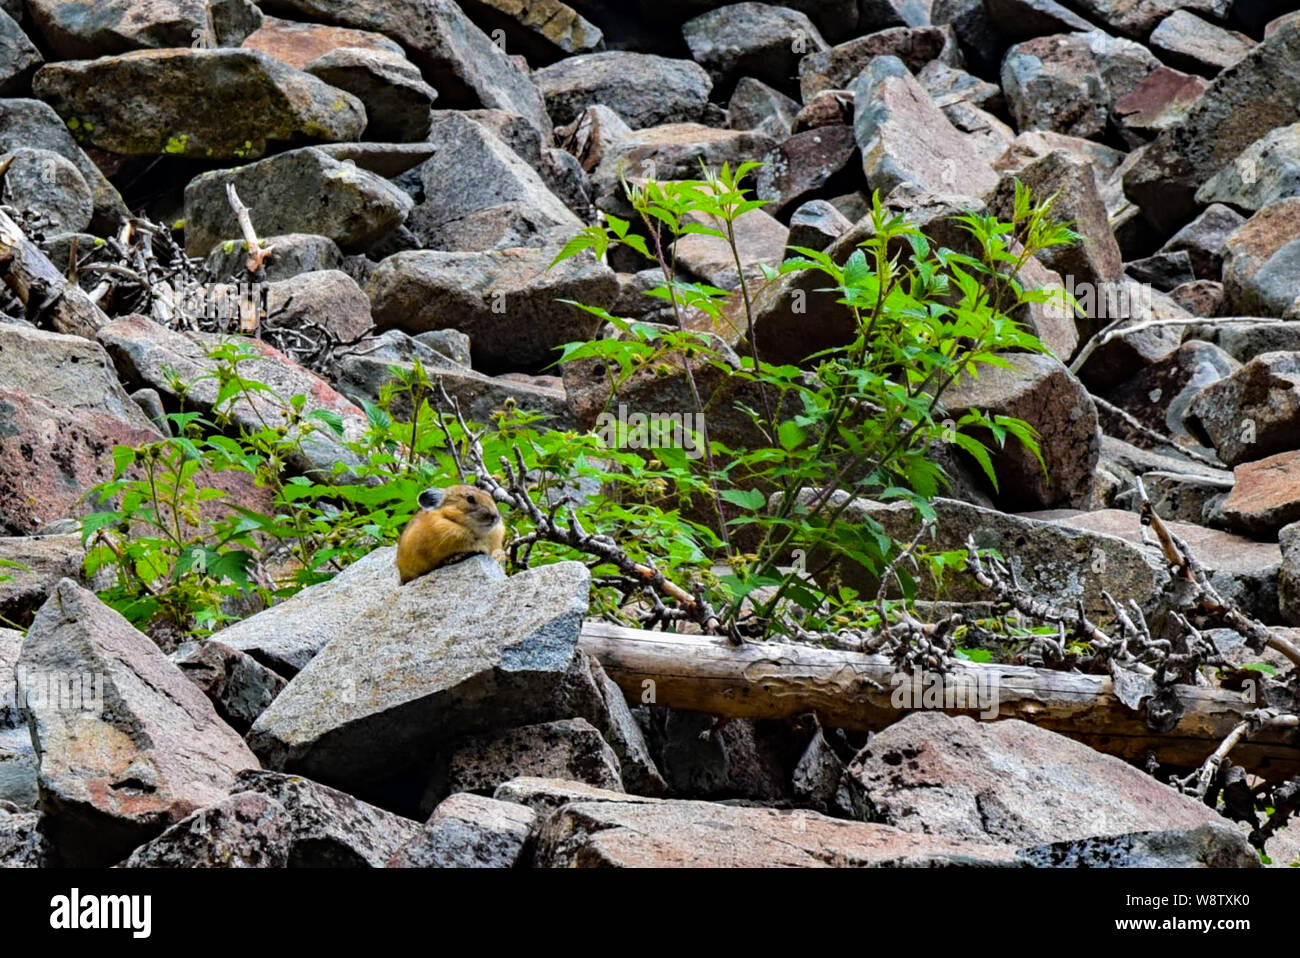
(1142, 429)
(257, 253)
(1198, 783)
(1118, 328)
(1205, 597)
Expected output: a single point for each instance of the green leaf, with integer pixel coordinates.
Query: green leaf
(745, 498)
(791, 435)
(330, 418)
(95, 521)
(123, 459)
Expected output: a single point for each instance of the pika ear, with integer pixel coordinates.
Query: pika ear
(431, 498)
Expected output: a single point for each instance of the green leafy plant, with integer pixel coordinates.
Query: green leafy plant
(188, 554)
(859, 418)
(184, 547)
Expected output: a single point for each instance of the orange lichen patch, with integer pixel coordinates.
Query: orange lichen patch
(297, 44)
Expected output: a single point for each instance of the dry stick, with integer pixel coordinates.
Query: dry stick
(1179, 556)
(104, 285)
(255, 264)
(1135, 424)
(848, 689)
(1207, 597)
(257, 253)
(209, 26)
(907, 628)
(990, 578)
(1117, 328)
(1254, 722)
(515, 494)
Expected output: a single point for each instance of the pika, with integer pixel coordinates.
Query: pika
(457, 521)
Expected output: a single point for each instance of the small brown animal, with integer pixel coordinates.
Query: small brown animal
(456, 521)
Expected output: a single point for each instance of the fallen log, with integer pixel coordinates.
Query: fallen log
(855, 691)
(42, 288)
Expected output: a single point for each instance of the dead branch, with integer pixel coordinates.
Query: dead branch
(1137, 426)
(852, 690)
(1118, 328)
(257, 253)
(1197, 783)
(1204, 597)
(50, 300)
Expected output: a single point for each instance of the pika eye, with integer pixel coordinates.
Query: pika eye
(472, 500)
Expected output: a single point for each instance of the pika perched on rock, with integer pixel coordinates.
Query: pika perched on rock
(454, 522)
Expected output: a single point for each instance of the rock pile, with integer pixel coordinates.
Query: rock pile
(415, 166)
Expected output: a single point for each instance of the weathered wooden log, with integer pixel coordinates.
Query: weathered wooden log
(854, 691)
(41, 287)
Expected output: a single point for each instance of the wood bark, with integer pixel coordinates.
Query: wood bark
(854, 691)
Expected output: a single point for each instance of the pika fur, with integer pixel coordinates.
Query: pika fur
(456, 521)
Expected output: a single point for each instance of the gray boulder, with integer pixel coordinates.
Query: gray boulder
(94, 28)
(19, 58)
(1007, 782)
(33, 124)
(396, 98)
(1260, 93)
(64, 409)
(246, 830)
(1040, 390)
(756, 106)
(458, 59)
(905, 137)
(507, 301)
(755, 40)
(1253, 413)
(645, 90)
(41, 561)
(147, 354)
(327, 828)
(301, 191)
(461, 651)
(22, 844)
(470, 831)
(1261, 263)
(567, 748)
(126, 745)
(293, 253)
(219, 104)
(1191, 43)
(1266, 171)
(1212, 845)
(479, 194)
(1054, 561)
(239, 687)
(835, 69)
(666, 834)
(285, 637)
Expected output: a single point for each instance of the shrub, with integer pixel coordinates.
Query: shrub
(859, 417)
